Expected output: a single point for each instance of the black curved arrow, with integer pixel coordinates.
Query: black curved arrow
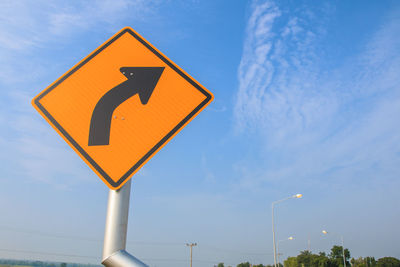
(141, 81)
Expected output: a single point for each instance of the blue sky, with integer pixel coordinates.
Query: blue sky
(307, 100)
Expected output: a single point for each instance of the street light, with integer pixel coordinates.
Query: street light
(273, 226)
(191, 245)
(341, 237)
(277, 245)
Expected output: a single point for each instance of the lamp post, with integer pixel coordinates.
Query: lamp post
(277, 245)
(341, 237)
(273, 226)
(191, 245)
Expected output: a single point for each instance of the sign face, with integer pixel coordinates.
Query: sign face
(120, 105)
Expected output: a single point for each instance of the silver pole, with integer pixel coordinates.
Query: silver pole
(114, 254)
(191, 245)
(273, 234)
(191, 248)
(277, 252)
(341, 237)
(277, 248)
(344, 258)
(273, 226)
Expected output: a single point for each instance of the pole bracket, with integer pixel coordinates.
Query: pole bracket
(121, 258)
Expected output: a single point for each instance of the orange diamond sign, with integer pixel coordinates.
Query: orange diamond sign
(121, 104)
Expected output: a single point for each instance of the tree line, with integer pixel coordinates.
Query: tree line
(333, 259)
(28, 263)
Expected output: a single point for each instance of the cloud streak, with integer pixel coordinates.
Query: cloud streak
(27, 24)
(320, 122)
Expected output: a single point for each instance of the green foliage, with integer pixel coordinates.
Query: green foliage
(335, 259)
(371, 262)
(363, 262)
(307, 259)
(336, 255)
(320, 260)
(22, 263)
(304, 258)
(388, 262)
(247, 264)
(291, 262)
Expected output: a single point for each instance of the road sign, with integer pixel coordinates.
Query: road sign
(120, 105)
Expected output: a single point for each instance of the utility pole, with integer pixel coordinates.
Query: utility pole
(191, 245)
(273, 225)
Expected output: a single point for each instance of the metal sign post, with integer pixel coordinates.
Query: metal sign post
(114, 254)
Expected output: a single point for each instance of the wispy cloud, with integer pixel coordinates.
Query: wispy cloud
(25, 23)
(320, 120)
(26, 26)
(277, 46)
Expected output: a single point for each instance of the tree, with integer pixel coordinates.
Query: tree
(360, 262)
(305, 258)
(388, 262)
(336, 255)
(320, 260)
(363, 262)
(370, 261)
(291, 262)
(334, 259)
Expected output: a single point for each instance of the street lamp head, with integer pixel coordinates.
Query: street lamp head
(324, 232)
(298, 196)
